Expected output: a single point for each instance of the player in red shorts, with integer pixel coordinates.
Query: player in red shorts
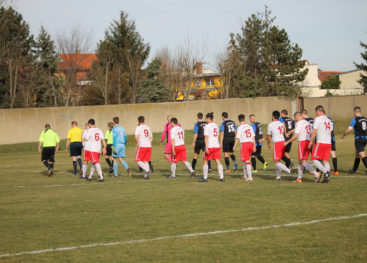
(276, 133)
(302, 132)
(246, 136)
(178, 149)
(143, 138)
(212, 147)
(322, 129)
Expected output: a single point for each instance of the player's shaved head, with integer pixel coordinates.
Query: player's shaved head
(116, 120)
(241, 117)
(141, 119)
(320, 108)
(297, 116)
(200, 115)
(174, 120)
(91, 122)
(357, 109)
(276, 115)
(47, 126)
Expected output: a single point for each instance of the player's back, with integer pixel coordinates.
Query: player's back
(276, 130)
(86, 143)
(95, 136)
(229, 128)
(200, 130)
(144, 135)
(119, 134)
(359, 125)
(178, 134)
(258, 130)
(245, 133)
(324, 127)
(212, 131)
(303, 129)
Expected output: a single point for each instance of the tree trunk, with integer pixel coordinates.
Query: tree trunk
(105, 95)
(119, 86)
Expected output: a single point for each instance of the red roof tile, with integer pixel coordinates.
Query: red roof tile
(79, 61)
(323, 75)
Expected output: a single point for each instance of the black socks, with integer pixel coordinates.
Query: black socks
(253, 162)
(356, 164)
(335, 164)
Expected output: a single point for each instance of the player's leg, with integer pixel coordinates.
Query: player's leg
(226, 161)
(260, 157)
(248, 170)
(233, 157)
(173, 170)
(334, 158)
(115, 166)
(220, 170)
(44, 158)
(194, 160)
(205, 171)
(357, 161)
(244, 170)
(253, 162)
(91, 172)
(51, 160)
(99, 171)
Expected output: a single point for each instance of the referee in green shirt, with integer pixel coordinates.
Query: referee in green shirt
(49, 143)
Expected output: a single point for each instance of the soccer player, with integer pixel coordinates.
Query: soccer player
(212, 148)
(276, 133)
(108, 137)
(143, 138)
(74, 141)
(258, 130)
(322, 129)
(49, 143)
(305, 116)
(178, 149)
(227, 139)
(302, 132)
(246, 136)
(289, 129)
(166, 135)
(119, 147)
(198, 143)
(93, 138)
(333, 150)
(359, 125)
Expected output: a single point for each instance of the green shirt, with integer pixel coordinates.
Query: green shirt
(49, 138)
(109, 137)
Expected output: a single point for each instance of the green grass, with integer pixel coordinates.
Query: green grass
(65, 211)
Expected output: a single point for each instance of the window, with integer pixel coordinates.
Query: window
(209, 82)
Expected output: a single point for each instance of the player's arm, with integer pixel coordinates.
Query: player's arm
(347, 131)
(196, 130)
(173, 145)
(313, 136)
(254, 143)
(163, 136)
(67, 144)
(206, 143)
(290, 132)
(235, 144)
(294, 137)
(40, 146)
(221, 134)
(104, 146)
(268, 138)
(57, 143)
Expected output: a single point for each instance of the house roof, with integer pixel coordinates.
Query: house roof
(323, 75)
(79, 61)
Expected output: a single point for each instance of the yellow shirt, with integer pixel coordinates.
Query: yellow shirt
(49, 138)
(75, 134)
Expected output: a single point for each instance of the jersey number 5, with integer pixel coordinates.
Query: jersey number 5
(215, 132)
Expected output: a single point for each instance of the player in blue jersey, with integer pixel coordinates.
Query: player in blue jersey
(119, 146)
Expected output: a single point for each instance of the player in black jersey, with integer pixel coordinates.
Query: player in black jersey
(227, 135)
(199, 140)
(257, 127)
(305, 116)
(333, 149)
(289, 129)
(359, 124)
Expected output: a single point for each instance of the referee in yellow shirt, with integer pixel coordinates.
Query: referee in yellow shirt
(109, 141)
(74, 140)
(49, 143)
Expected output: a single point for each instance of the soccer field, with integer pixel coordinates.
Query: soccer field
(65, 219)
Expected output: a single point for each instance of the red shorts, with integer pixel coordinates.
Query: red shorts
(303, 150)
(246, 151)
(214, 154)
(278, 151)
(180, 154)
(321, 151)
(144, 154)
(91, 156)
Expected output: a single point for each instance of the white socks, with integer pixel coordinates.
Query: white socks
(85, 167)
(244, 170)
(321, 167)
(282, 167)
(249, 171)
(300, 171)
(92, 171)
(143, 166)
(205, 171)
(99, 170)
(188, 165)
(173, 169)
(220, 171)
(310, 168)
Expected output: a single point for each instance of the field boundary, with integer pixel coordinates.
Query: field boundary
(183, 236)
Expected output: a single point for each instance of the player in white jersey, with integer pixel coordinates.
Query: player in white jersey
(302, 132)
(92, 138)
(178, 148)
(276, 133)
(143, 139)
(212, 147)
(246, 136)
(322, 129)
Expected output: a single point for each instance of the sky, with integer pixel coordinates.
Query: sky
(328, 31)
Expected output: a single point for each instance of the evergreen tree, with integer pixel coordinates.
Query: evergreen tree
(363, 66)
(332, 82)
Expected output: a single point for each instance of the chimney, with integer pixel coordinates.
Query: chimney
(199, 68)
(78, 51)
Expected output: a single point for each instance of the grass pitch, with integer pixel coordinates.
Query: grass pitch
(38, 212)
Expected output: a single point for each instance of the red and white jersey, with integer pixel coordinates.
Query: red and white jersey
(85, 143)
(303, 129)
(144, 135)
(324, 127)
(276, 130)
(94, 137)
(212, 131)
(245, 133)
(178, 134)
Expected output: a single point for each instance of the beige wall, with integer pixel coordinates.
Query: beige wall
(25, 125)
(350, 80)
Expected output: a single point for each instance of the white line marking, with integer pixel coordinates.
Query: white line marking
(182, 236)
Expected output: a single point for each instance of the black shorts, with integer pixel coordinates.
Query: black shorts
(199, 146)
(228, 144)
(109, 150)
(258, 151)
(48, 154)
(360, 144)
(333, 148)
(76, 149)
(288, 148)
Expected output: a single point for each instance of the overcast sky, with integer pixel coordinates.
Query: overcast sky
(328, 31)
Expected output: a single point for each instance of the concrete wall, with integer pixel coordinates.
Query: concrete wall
(25, 125)
(349, 80)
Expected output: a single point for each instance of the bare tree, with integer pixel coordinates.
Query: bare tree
(226, 64)
(71, 45)
(168, 70)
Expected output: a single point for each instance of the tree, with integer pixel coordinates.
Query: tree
(363, 66)
(332, 82)
(48, 81)
(152, 87)
(131, 49)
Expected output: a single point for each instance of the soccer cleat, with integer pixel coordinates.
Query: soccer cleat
(336, 173)
(278, 179)
(192, 174)
(221, 180)
(254, 171)
(202, 180)
(146, 176)
(244, 178)
(326, 178)
(351, 172)
(81, 177)
(140, 169)
(227, 171)
(74, 174)
(248, 180)
(318, 177)
(50, 172)
(265, 166)
(111, 170)
(171, 177)
(291, 165)
(89, 179)
(129, 173)
(151, 167)
(81, 172)
(210, 170)
(234, 166)
(100, 180)
(299, 180)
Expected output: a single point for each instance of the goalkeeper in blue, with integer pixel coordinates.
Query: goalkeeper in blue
(119, 146)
